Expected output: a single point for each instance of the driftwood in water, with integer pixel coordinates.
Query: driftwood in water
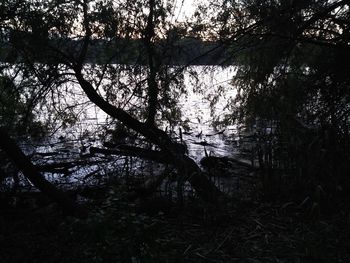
(148, 186)
(225, 167)
(204, 143)
(212, 161)
(216, 133)
(186, 168)
(133, 151)
(62, 167)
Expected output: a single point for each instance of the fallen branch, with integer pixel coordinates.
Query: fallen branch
(62, 167)
(23, 163)
(133, 151)
(189, 168)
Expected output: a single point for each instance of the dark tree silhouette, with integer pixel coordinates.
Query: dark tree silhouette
(292, 60)
(50, 43)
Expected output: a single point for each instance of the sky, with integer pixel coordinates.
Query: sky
(183, 9)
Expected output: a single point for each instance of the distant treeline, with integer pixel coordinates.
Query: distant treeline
(191, 51)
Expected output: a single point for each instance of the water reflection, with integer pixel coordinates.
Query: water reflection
(202, 85)
(207, 90)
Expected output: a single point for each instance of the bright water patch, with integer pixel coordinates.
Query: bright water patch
(207, 90)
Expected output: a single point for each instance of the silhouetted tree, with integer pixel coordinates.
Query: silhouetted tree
(50, 45)
(293, 60)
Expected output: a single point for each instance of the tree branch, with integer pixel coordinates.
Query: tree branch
(30, 171)
(151, 81)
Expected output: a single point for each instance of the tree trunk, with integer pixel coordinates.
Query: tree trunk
(10, 147)
(202, 185)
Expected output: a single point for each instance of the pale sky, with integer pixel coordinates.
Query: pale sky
(183, 9)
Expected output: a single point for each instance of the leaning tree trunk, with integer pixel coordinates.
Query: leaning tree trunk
(201, 183)
(17, 156)
(188, 169)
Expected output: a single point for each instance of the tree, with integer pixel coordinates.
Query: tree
(292, 59)
(52, 41)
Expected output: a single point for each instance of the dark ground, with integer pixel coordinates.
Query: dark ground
(250, 230)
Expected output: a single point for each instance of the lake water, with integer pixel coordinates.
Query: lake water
(201, 83)
(71, 142)
(197, 108)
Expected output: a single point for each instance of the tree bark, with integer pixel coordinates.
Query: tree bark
(10, 147)
(151, 80)
(202, 185)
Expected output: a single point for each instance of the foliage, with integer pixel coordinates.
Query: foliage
(293, 92)
(292, 82)
(15, 113)
(53, 33)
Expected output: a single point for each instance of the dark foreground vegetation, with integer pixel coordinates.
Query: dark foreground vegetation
(156, 230)
(126, 189)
